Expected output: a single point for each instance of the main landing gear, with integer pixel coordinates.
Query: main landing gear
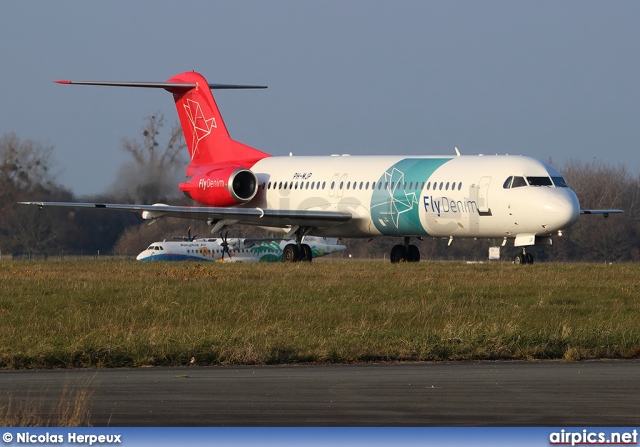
(297, 252)
(404, 253)
(523, 258)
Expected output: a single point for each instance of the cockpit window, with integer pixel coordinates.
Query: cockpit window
(518, 182)
(559, 182)
(539, 181)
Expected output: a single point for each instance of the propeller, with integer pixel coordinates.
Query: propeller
(225, 245)
(187, 238)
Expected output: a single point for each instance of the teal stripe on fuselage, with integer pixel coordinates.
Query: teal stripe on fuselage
(396, 210)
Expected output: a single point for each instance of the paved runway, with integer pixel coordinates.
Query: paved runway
(411, 394)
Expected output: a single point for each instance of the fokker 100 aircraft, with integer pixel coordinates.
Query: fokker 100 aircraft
(233, 250)
(509, 197)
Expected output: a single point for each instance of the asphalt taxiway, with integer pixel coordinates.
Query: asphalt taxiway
(546, 393)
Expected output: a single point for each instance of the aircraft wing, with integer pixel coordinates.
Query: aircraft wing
(246, 216)
(605, 212)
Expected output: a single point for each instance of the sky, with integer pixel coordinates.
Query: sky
(556, 80)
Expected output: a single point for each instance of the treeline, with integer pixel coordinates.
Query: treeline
(157, 165)
(26, 174)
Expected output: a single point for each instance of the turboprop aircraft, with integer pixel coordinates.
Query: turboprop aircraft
(515, 198)
(233, 250)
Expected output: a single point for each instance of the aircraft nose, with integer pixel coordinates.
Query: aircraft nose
(561, 210)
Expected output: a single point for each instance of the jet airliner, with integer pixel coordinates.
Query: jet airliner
(515, 198)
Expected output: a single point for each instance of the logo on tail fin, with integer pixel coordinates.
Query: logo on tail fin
(201, 126)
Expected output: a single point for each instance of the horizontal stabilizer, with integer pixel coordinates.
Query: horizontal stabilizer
(164, 84)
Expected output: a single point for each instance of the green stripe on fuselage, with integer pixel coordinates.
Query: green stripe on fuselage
(395, 210)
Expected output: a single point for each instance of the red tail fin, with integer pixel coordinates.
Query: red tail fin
(204, 130)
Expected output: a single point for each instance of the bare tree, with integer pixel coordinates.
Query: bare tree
(25, 174)
(156, 164)
(25, 165)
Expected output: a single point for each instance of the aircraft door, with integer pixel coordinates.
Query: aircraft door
(483, 195)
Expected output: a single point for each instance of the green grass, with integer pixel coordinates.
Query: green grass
(125, 313)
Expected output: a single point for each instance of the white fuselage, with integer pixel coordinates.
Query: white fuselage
(437, 196)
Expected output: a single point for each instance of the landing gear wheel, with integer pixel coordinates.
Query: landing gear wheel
(528, 258)
(290, 253)
(519, 259)
(306, 255)
(398, 254)
(413, 253)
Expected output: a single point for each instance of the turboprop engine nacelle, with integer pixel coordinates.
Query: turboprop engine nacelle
(226, 186)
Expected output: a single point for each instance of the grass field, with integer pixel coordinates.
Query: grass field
(125, 313)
